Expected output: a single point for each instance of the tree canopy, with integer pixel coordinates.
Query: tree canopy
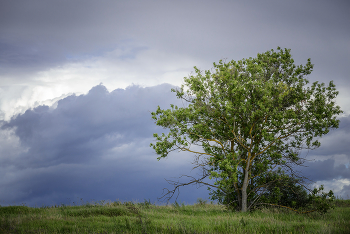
(249, 118)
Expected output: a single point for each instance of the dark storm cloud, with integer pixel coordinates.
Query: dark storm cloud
(81, 127)
(336, 141)
(93, 146)
(326, 170)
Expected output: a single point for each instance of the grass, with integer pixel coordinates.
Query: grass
(129, 217)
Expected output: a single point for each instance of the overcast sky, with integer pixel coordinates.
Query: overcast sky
(78, 80)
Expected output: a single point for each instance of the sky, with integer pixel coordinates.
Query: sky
(78, 80)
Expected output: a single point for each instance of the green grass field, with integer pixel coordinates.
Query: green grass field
(128, 217)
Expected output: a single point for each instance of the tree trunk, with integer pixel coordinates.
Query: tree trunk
(245, 186)
(244, 192)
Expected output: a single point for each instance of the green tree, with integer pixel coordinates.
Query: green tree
(244, 121)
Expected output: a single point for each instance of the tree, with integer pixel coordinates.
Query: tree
(249, 119)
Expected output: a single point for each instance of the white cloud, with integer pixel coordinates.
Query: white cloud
(148, 68)
(336, 185)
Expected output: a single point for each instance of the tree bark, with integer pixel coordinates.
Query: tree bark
(244, 192)
(245, 186)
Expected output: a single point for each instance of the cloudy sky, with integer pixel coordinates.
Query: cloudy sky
(78, 80)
